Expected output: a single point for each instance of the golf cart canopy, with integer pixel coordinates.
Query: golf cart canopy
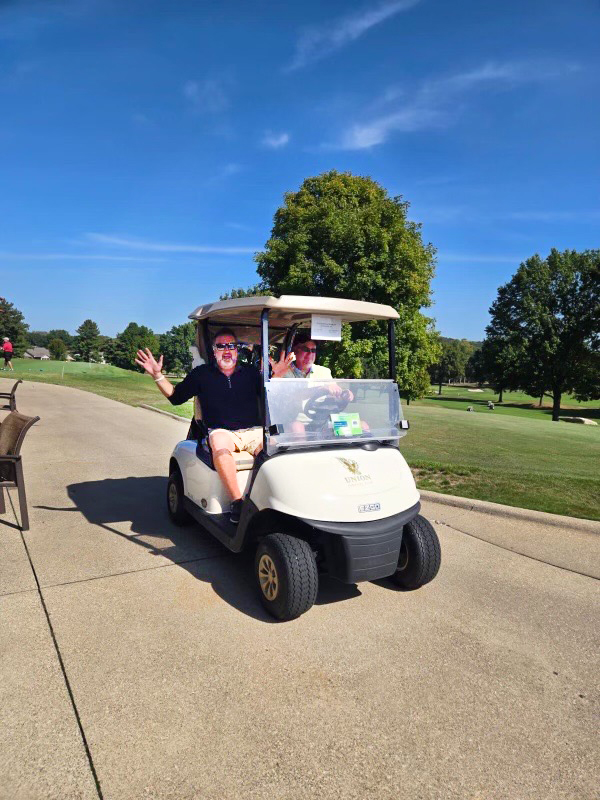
(290, 310)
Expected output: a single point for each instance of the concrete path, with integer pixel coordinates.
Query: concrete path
(136, 660)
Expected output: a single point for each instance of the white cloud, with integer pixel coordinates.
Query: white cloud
(165, 247)
(208, 96)
(275, 140)
(71, 257)
(437, 102)
(318, 42)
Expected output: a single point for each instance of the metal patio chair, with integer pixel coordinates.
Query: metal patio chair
(10, 396)
(12, 432)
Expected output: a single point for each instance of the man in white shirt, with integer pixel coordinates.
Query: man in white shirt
(305, 351)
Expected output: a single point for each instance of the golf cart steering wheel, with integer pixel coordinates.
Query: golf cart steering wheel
(321, 406)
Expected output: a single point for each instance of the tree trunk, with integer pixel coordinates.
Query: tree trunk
(556, 395)
(440, 389)
(500, 395)
(541, 399)
(408, 400)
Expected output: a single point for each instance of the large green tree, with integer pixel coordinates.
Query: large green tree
(87, 341)
(175, 347)
(13, 325)
(125, 346)
(342, 235)
(58, 349)
(61, 333)
(545, 326)
(37, 338)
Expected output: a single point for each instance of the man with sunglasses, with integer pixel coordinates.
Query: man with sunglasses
(305, 352)
(228, 393)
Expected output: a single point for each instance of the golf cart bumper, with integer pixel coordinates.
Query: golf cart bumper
(363, 551)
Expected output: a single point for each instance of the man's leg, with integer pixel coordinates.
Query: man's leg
(223, 447)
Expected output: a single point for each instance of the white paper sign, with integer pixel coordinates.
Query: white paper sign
(325, 327)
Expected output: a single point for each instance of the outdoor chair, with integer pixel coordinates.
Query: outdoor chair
(10, 396)
(12, 432)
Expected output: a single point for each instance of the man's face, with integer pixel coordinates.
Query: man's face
(225, 354)
(305, 355)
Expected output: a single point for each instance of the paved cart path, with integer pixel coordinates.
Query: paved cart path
(136, 660)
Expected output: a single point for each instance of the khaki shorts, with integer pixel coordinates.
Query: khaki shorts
(247, 439)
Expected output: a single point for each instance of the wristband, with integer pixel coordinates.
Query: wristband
(158, 380)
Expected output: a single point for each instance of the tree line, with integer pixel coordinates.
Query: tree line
(342, 235)
(88, 344)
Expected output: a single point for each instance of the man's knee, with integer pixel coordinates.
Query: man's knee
(222, 451)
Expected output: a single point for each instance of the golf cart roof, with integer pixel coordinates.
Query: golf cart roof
(290, 309)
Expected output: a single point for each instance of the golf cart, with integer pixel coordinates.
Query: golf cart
(330, 491)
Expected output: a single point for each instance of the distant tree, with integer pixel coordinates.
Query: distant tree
(252, 291)
(126, 344)
(175, 347)
(13, 325)
(472, 367)
(452, 362)
(342, 235)
(58, 349)
(88, 340)
(546, 326)
(37, 338)
(60, 333)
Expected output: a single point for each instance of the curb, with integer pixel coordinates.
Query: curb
(496, 509)
(165, 413)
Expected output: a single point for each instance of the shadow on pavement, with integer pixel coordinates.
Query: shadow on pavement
(141, 502)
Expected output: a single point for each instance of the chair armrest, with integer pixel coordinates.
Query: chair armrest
(10, 458)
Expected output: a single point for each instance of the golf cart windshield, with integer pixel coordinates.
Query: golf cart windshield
(305, 413)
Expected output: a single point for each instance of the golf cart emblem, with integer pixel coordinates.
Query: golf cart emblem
(356, 475)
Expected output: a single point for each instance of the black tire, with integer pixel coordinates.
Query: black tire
(420, 555)
(175, 506)
(287, 577)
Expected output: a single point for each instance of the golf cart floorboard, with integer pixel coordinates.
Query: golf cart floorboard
(218, 525)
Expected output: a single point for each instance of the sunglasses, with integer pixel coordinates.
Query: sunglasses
(305, 349)
(226, 346)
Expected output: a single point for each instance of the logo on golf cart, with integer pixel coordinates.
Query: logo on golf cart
(352, 467)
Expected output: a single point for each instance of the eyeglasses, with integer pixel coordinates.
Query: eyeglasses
(305, 349)
(225, 346)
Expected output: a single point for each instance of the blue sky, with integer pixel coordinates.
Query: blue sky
(146, 144)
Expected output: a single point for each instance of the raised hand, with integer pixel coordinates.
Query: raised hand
(281, 367)
(146, 360)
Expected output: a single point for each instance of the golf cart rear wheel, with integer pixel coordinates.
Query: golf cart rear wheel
(420, 555)
(286, 572)
(175, 496)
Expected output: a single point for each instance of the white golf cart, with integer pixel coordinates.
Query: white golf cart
(330, 491)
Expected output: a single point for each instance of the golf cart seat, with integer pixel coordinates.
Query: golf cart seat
(199, 433)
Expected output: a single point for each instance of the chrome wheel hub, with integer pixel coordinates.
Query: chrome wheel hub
(267, 575)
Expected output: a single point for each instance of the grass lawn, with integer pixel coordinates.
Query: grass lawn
(458, 398)
(514, 454)
(123, 385)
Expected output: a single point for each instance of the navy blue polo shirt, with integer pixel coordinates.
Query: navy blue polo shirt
(227, 401)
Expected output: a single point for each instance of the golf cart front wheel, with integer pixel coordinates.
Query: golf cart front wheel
(420, 555)
(287, 576)
(175, 496)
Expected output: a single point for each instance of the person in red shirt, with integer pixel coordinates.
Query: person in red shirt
(7, 351)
